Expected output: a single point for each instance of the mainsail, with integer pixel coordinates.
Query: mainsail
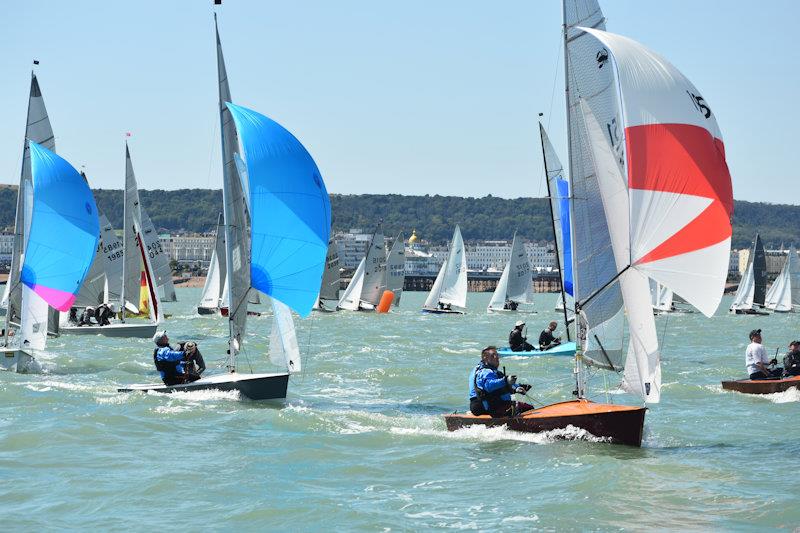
(752, 286)
(351, 298)
(667, 200)
(162, 273)
(212, 290)
(329, 290)
(374, 270)
(62, 235)
(515, 283)
(784, 295)
(454, 284)
(396, 268)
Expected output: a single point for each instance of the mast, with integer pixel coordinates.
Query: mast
(579, 371)
(233, 347)
(555, 239)
(125, 230)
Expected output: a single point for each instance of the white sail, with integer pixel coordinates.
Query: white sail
(743, 299)
(283, 348)
(432, 301)
(454, 285)
(520, 284)
(136, 258)
(374, 271)
(499, 295)
(158, 258)
(351, 298)
(780, 295)
(112, 259)
(660, 297)
(212, 289)
(396, 268)
(642, 365)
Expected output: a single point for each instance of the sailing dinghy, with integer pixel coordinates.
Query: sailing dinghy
(516, 285)
(667, 129)
(751, 294)
(135, 264)
(448, 295)
(329, 290)
(210, 300)
(277, 228)
(762, 386)
(784, 294)
(62, 230)
(364, 291)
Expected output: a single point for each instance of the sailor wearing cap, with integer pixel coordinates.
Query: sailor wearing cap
(517, 341)
(756, 359)
(169, 362)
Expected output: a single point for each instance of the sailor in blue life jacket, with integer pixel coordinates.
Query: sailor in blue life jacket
(170, 363)
(490, 390)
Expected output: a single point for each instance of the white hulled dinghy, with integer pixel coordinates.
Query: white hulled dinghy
(515, 287)
(277, 228)
(62, 231)
(448, 295)
(666, 129)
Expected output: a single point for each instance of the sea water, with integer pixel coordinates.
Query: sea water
(360, 443)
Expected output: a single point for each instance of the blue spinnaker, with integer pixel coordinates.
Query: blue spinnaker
(290, 211)
(566, 240)
(64, 230)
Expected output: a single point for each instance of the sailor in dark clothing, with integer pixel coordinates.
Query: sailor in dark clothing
(73, 316)
(517, 341)
(510, 305)
(791, 361)
(194, 360)
(547, 340)
(490, 390)
(103, 314)
(86, 317)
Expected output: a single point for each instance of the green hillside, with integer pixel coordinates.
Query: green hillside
(195, 210)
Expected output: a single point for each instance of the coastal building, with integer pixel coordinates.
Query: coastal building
(6, 248)
(188, 249)
(352, 246)
(775, 260)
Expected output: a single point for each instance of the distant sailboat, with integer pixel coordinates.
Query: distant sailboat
(277, 227)
(213, 290)
(660, 298)
(784, 295)
(364, 291)
(329, 290)
(396, 268)
(752, 290)
(62, 230)
(449, 292)
(516, 285)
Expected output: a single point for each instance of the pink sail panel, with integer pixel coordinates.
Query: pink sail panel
(681, 199)
(55, 298)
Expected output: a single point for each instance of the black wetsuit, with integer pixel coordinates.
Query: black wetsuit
(791, 363)
(547, 340)
(517, 342)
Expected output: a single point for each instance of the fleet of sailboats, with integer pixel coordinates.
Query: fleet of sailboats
(641, 218)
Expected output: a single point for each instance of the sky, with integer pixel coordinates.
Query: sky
(413, 97)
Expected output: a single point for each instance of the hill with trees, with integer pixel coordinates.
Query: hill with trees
(195, 210)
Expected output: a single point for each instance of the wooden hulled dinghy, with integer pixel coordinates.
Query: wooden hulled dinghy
(566, 349)
(620, 424)
(761, 386)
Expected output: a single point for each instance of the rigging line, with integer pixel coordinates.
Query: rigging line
(211, 154)
(582, 304)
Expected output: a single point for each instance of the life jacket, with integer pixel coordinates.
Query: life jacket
(169, 368)
(492, 399)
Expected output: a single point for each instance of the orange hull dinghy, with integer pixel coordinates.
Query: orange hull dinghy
(620, 424)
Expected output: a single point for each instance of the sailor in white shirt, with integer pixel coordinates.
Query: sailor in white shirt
(756, 358)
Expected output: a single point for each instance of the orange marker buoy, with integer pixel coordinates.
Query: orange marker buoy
(386, 302)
